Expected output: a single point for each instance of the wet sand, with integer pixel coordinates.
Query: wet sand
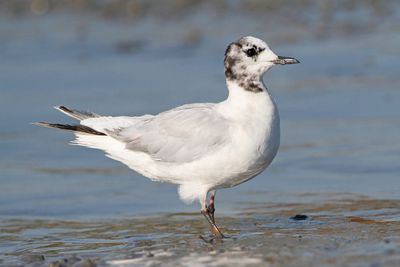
(354, 231)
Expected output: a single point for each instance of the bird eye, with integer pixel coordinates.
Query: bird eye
(250, 52)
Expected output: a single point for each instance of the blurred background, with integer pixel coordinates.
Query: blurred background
(340, 112)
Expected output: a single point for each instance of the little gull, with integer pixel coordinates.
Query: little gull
(200, 147)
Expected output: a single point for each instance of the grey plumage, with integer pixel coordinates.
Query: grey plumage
(180, 135)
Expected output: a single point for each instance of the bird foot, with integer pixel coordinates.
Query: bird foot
(210, 219)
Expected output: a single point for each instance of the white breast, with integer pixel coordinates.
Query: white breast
(255, 133)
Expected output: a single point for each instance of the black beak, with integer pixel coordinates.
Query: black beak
(285, 60)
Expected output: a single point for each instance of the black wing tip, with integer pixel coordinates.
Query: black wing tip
(76, 114)
(41, 123)
(63, 108)
(68, 127)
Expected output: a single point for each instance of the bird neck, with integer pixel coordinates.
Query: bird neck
(242, 102)
(248, 81)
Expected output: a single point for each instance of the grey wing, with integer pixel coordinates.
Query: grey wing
(180, 135)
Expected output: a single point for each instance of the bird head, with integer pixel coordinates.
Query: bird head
(249, 58)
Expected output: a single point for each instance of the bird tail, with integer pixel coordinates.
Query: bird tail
(77, 114)
(68, 127)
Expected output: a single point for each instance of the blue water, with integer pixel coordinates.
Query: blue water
(340, 112)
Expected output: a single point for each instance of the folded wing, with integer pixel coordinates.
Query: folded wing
(180, 135)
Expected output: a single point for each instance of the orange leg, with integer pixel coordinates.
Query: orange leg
(208, 212)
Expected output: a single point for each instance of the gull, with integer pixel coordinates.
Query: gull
(200, 147)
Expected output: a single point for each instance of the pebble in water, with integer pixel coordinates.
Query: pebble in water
(299, 217)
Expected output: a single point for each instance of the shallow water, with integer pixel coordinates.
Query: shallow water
(338, 162)
(352, 231)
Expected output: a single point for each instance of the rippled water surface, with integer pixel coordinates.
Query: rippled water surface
(338, 162)
(352, 231)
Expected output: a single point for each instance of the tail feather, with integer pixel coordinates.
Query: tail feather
(77, 114)
(68, 127)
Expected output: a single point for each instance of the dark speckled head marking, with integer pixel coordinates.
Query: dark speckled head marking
(243, 65)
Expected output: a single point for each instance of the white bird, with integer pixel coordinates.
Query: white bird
(200, 147)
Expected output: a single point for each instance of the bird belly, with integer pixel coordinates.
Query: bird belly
(252, 157)
(247, 171)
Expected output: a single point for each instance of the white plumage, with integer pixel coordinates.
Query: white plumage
(200, 147)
